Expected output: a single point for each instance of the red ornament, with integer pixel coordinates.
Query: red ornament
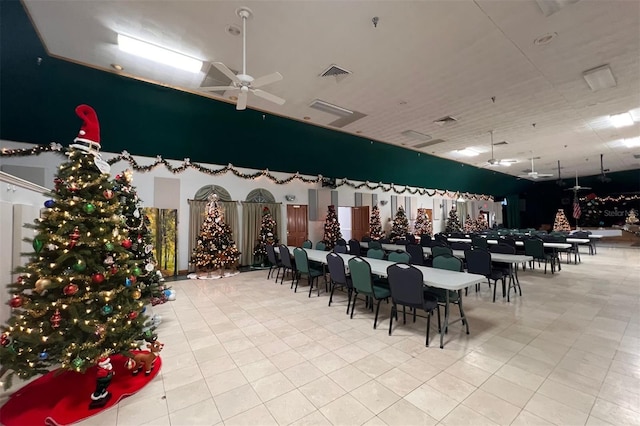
(108, 194)
(133, 279)
(74, 237)
(15, 302)
(73, 187)
(591, 196)
(113, 270)
(126, 243)
(20, 279)
(133, 315)
(4, 339)
(97, 278)
(55, 319)
(70, 289)
(57, 182)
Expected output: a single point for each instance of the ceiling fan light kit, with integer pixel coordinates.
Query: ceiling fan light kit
(244, 83)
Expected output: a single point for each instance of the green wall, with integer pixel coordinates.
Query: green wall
(37, 102)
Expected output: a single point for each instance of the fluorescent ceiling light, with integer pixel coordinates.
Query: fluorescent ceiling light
(621, 120)
(632, 142)
(599, 78)
(468, 152)
(330, 108)
(158, 54)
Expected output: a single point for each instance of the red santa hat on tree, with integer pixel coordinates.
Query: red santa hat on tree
(89, 135)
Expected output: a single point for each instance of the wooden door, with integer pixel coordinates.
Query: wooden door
(297, 224)
(359, 222)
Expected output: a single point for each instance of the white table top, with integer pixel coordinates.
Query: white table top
(495, 257)
(433, 277)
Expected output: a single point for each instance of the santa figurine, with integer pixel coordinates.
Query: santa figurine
(103, 378)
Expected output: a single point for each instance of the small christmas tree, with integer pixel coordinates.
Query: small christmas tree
(632, 219)
(561, 224)
(77, 300)
(470, 225)
(215, 248)
(138, 239)
(400, 225)
(266, 235)
(423, 223)
(481, 223)
(453, 223)
(331, 228)
(375, 226)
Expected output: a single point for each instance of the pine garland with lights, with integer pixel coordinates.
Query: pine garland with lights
(423, 223)
(137, 239)
(215, 248)
(331, 228)
(453, 223)
(561, 224)
(266, 235)
(77, 299)
(375, 225)
(400, 225)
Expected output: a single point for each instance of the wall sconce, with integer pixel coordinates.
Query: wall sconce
(290, 197)
(383, 202)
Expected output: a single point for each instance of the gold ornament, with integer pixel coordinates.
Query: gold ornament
(42, 284)
(136, 294)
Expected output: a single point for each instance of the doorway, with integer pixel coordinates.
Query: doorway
(297, 224)
(359, 222)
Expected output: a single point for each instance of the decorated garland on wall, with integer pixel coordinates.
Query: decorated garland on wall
(591, 197)
(187, 164)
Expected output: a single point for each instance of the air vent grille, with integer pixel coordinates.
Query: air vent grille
(445, 120)
(636, 156)
(416, 135)
(426, 144)
(334, 71)
(215, 78)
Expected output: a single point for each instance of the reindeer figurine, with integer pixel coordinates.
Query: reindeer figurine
(147, 358)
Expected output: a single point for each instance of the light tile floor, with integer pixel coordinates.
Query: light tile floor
(247, 351)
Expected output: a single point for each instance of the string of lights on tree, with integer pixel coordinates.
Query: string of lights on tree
(187, 164)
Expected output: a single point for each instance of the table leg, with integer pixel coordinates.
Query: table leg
(446, 319)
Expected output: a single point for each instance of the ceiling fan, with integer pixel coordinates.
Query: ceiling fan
(493, 162)
(533, 174)
(577, 187)
(245, 83)
(560, 182)
(603, 176)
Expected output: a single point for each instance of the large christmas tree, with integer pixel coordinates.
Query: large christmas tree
(137, 238)
(423, 223)
(481, 223)
(375, 226)
(561, 224)
(77, 300)
(400, 225)
(453, 223)
(470, 225)
(267, 235)
(331, 228)
(215, 248)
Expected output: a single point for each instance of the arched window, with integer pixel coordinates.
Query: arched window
(204, 192)
(260, 195)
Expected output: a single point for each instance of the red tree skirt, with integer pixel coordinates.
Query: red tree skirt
(62, 399)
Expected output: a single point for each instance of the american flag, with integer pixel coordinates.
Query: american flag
(576, 209)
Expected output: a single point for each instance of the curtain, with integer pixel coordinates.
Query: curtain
(462, 212)
(252, 219)
(197, 213)
(513, 211)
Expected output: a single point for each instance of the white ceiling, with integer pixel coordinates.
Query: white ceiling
(424, 60)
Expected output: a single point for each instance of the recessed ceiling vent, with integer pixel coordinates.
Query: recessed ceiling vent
(334, 71)
(416, 135)
(636, 156)
(215, 78)
(445, 120)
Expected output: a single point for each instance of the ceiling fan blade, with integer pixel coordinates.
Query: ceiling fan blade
(544, 175)
(218, 88)
(266, 79)
(226, 71)
(268, 96)
(242, 100)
